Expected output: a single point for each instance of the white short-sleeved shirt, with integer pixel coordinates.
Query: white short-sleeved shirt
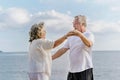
(80, 55)
(39, 56)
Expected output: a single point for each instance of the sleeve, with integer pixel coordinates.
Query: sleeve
(92, 38)
(47, 44)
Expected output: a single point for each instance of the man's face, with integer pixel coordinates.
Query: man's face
(77, 25)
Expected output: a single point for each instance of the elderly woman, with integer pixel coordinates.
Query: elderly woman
(39, 52)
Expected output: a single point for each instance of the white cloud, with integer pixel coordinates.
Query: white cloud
(116, 8)
(107, 41)
(18, 15)
(119, 22)
(102, 26)
(1, 9)
(54, 20)
(2, 25)
(13, 17)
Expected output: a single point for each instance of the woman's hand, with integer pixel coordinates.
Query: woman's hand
(74, 33)
(69, 34)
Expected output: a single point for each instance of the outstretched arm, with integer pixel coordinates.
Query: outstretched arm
(59, 53)
(62, 39)
(59, 41)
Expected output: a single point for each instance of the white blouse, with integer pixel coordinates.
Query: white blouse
(39, 56)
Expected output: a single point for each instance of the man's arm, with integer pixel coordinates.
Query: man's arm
(85, 40)
(59, 53)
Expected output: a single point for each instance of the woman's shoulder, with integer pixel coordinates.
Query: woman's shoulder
(42, 40)
(37, 41)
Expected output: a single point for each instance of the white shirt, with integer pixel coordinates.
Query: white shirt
(39, 56)
(80, 55)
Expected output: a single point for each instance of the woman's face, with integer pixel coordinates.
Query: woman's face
(42, 33)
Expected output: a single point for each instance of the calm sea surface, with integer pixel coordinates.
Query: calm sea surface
(14, 66)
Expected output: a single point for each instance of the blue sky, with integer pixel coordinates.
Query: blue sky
(17, 16)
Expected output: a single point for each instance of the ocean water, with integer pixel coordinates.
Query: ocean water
(14, 66)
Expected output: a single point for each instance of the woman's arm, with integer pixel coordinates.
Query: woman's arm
(59, 53)
(62, 39)
(59, 41)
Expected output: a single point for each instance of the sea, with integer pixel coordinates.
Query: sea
(14, 66)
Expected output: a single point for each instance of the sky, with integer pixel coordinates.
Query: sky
(17, 17)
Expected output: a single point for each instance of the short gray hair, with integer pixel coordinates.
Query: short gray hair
(34, 31)
(82, 19)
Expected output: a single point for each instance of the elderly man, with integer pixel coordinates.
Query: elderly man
(80, 46)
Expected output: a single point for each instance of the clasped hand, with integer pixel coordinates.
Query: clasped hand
(73, 33)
